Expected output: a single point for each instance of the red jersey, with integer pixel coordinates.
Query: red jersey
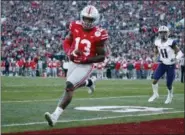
(86, 41)
(154, 66)
(27, 64)
(33, 65)
(20, 63)
(118, 65)
(145, 65)
(138, 66)
(2, 63)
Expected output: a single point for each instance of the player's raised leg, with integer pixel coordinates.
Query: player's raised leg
(169, 81)
(67, 97)
(157, 75)
(74, 80)
(90, 84)
(91, 87)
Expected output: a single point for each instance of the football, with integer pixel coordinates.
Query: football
(78, 52)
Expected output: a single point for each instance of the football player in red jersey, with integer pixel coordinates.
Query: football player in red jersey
(85, 44)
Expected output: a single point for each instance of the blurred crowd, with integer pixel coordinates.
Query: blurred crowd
(32, 31)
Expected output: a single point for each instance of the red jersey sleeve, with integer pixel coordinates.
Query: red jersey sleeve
(67, 42)
(71, 26)
(104, 36)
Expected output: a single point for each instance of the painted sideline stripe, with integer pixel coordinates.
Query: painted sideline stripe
(125, 82)
(23, 101)
(37, 85)
(90, 119)
(29, 91)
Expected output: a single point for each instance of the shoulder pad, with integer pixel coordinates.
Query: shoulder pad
(170, 41)
(78, 22)
(157, 41)
(73, 24)
(102, 33)
(173, 43)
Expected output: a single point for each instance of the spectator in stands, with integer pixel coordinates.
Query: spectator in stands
(38, 27)
(2, 67)
(145, 69)
(138, 69)
(49, 67)
(33, 66)
(130, 68)
(118, 68)
(27, 66)
(54, 67)
(40, 66)
(7, 66)
(182, 69)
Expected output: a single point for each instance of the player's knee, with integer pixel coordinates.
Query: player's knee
(69, 86)
(155, 82)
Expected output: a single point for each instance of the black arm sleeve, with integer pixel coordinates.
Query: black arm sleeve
(174, 44)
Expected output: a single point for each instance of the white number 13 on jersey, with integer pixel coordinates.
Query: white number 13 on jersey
(83, 41)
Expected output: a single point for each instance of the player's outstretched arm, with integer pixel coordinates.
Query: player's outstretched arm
(67, 43)
(178, 52)
(67, 46)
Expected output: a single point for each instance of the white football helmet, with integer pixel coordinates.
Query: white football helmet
(164, 32)
(89, 17)
(164, 28)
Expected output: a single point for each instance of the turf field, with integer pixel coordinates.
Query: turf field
(25, 100)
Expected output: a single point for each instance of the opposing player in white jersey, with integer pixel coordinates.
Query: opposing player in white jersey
(169, 53)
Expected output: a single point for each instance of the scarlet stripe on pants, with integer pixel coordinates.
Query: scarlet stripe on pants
(83, 79)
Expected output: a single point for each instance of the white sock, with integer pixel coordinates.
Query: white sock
(170, 91)
(86, 82)
(58, 111)
(155, 88)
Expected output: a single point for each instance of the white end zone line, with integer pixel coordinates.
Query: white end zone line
(90, 119)
(44, 100)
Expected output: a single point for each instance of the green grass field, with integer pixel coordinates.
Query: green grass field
(25, 100)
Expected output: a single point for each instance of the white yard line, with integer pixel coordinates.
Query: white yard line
(45, 85)
(125, 82)
(30, 91)
(90, 119)
(45, 100)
